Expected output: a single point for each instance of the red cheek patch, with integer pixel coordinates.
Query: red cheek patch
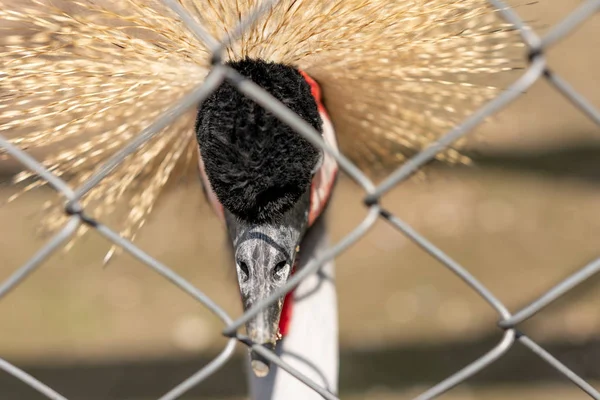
(286, 311)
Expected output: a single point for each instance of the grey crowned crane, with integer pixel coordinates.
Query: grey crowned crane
(270, 186)
(378, 79)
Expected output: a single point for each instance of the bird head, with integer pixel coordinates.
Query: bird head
(261, 170)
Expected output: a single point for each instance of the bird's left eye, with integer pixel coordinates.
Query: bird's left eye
(245, 273)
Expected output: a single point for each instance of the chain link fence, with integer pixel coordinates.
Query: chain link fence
(508, 322)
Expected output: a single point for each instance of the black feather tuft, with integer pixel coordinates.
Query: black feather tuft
(257, 165)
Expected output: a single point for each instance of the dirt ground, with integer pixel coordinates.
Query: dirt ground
(519, 234)
(517, 231)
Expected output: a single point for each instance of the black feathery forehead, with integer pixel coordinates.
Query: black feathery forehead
(258, 166)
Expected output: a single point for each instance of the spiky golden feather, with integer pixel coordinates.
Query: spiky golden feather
(79, 79)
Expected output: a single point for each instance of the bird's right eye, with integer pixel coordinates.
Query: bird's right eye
(278, 270)
(244, 271)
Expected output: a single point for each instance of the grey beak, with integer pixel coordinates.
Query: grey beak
(262, 267)
(264, 256)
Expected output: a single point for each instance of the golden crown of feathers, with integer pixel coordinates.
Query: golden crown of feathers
(79, 79)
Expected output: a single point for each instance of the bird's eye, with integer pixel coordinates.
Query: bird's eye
(278, 270)
(245, 272)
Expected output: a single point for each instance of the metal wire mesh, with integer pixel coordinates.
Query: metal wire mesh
(538, 68)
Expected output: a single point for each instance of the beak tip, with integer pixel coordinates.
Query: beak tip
(260, 368)
(260, 365)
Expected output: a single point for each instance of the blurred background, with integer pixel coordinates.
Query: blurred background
(524, 217)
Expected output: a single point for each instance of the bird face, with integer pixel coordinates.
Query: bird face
(264, 256)
(260, 171)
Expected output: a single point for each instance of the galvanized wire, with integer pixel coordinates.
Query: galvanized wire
(538, 69)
